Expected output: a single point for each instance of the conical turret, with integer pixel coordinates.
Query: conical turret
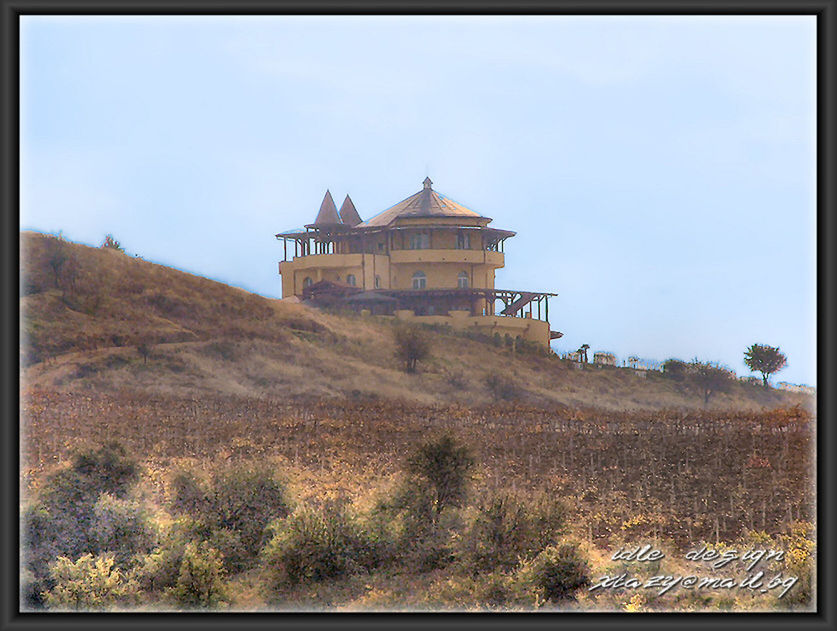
(348, 213)
(328, 213)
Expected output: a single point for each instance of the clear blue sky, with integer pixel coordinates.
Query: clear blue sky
(659, 171)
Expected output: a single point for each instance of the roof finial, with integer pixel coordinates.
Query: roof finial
(427, 182)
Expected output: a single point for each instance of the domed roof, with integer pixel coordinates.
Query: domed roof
(425, 203)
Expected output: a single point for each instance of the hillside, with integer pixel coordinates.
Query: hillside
(96, 319)
(167, 419)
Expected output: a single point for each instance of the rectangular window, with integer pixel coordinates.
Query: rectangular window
(419, 241)
(463, 241)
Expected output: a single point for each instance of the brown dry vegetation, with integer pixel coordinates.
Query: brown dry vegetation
(209, 338)
(231, 377)
(689, 475)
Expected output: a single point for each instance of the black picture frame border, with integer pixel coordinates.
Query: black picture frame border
(10, 13)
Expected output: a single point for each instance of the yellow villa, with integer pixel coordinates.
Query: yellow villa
(426, 260)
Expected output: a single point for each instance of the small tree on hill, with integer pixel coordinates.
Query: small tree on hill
(57, 256)
(144, 349)
(765, 359)
(710, 378)
(443, 466)
(411, 346)
(675, 368)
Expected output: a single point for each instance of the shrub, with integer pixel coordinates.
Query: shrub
(675, 368)
(61, 521)
(108, 469)
(800, 561)
(502, 388)
(200, 582)
(90, 583)
(556, 573)
(121, 528)
(411, 346)
(221, 349)
(228, 543)
(241, 499)
(443, 466)
(496, 536)
(187, 493)
(421, 542)
(318, 545)
(456, 380)
(246, 500)
(160, 568)
(506, 529)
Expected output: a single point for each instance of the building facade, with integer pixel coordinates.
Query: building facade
(428, 259)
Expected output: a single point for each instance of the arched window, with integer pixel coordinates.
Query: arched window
(419, 280)
(462, 280)
(307, 282)
(350, 278)
(377, 282)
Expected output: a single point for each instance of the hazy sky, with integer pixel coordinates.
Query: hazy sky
(659, 171)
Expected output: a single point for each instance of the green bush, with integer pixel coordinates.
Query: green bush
(90, 583)
(506, 529)
(419, 540)
(232, 549)
(800, 560)
(200, 581)
(187, 494)
(556, 574)
(241, 499)
(122, 528)
(107, 469)
(443, 468)
(497, 535)
(315, 545)
(160, 568)
(61, 520)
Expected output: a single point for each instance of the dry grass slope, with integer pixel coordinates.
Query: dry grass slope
(84, 323)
